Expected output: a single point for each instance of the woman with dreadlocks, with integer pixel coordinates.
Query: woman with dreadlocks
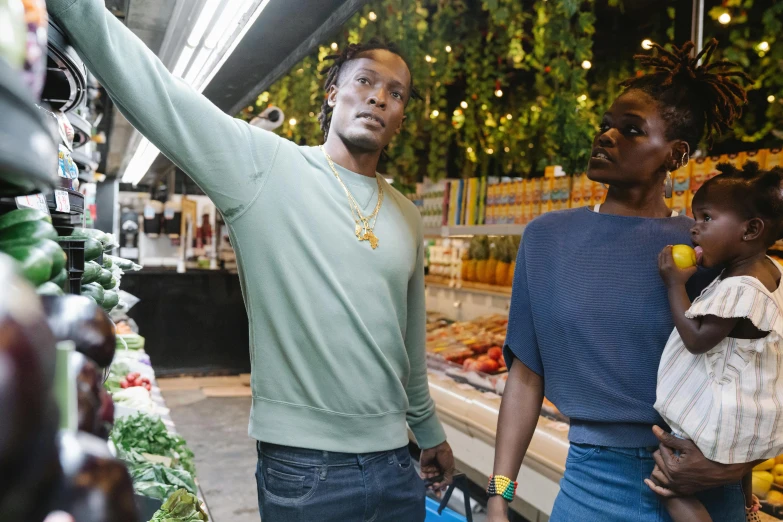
(590, 317)
(331, 260)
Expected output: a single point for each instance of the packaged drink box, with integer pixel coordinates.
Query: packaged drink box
(759, 156)
(700, 169)
(774, 159)
(599, 194)
(681, 178)
(679, 201)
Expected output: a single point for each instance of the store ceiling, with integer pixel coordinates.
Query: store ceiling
(286, 32)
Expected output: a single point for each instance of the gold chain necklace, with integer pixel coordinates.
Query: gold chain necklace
(363, 230)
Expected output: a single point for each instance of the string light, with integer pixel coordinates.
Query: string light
(292, 122)
(724, 19)
(372, 16)
(435, 114)
(647, 44)
(507, 149)
(509, 117)
(586, 64)
(312, 115)
(583, 97)
(464, 105)
(499, 93)
(448, 48)
(764, 46)
(428, 58)
(470, 150)
(334, 46)
(770, 98)
(490, 151)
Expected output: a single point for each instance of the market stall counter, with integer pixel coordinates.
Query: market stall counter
(194, 322)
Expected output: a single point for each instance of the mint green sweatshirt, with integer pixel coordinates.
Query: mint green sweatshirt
(337, 330)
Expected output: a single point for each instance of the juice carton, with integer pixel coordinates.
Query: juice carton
(689, 204)
(536, 203)
(759, 156)
(489, 219)
(577, 191)
(527, 201)
(679, 201)
(716, 160)
(518, 214)
(699, 171)
(599, 193)
(681, 178)
(774, 159)
(520, 192)
(505, 192)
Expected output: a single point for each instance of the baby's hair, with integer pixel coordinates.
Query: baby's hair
(696, 99)
(757, 192)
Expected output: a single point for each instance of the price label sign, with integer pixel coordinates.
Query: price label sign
(63, 203)
(37, 201)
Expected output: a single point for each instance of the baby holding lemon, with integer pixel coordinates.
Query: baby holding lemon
(720, 380)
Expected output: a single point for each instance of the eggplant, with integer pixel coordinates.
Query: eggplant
(79, 319)
(28, 454)
(95, 486)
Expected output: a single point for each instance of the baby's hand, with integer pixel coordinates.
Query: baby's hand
(672, 274)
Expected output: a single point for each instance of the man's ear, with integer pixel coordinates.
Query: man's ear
(332, 96)
(399, 128)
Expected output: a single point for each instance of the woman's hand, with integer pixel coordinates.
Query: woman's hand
(672, 274)
(689, 472)
(497, 509)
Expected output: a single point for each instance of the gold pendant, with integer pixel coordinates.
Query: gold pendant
(358, 231)
(370, 236)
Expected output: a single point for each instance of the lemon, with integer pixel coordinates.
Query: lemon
(762, 483)
(766, 465)
(775, 497)
(684, 256)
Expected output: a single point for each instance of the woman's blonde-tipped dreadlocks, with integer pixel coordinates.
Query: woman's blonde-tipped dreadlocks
(352, 52)
(698, 98)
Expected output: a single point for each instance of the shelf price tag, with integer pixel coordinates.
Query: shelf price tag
(63, 203)
(37, 201)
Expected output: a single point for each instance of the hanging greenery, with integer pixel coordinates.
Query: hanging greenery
(505, 82)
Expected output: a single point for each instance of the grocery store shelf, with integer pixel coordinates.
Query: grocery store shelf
(465, 286)
(82, 130)
(487, 230)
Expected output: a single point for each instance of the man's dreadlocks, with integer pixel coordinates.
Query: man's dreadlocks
(696, 99)
(352, 52)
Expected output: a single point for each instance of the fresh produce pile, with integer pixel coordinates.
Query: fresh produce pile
(28, 236)
(180, 507)
(768, 481)
(491, 261)
(475, 345)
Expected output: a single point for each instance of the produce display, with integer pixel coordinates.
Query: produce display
(768, 484)
(489, 260)
(180, 507)
(474, 345)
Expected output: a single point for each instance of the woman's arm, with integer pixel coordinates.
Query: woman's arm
(519, 412)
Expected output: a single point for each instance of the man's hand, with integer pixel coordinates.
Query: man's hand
(438, 461)
(690, 472)
(671, 274)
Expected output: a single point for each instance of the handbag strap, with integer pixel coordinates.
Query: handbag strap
(460, 479)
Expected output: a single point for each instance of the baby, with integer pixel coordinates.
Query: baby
(720, 381)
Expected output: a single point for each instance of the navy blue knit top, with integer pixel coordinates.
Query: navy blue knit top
(590, 314)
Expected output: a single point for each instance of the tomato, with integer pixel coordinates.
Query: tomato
(124, 384)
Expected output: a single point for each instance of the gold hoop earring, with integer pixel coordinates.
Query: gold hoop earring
(668, 185)
(685, 160)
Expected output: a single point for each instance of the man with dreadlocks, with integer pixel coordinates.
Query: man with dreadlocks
(589, 314)
(331, 263)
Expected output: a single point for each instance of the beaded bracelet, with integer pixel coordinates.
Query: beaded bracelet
(501, 486)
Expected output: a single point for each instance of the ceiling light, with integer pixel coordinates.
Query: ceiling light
(448, 48)
(372, 16)
(292, 122)
(428, 58)
(464, 105)
(647, 44)
(771, 98)
(499, 93)
(725, 18)
(335, 46)
(764, 46)
(220, 27)
(509, 117)
(435, 114)
(586, 64)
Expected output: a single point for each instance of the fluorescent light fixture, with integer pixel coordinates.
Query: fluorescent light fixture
(220, 27)
(141, 162)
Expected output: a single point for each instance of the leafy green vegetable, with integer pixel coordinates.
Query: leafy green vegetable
(117, 373)
(181, 507)
(159, 481)
(146, 434)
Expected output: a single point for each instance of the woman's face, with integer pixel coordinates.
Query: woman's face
(631, 149)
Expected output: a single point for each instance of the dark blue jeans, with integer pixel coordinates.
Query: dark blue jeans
(607, 485)
(300, 485)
